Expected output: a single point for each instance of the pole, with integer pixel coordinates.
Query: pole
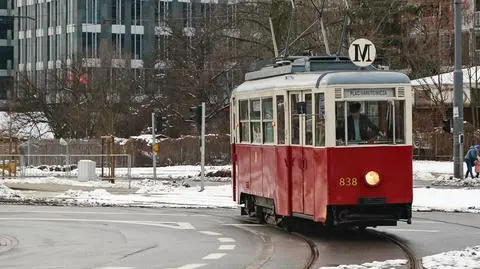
(458, 96)
(274, 40)
(202, 149)
(154, 157)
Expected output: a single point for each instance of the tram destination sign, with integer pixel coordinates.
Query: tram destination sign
(363, 93)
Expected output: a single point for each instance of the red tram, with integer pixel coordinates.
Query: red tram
(318, 138)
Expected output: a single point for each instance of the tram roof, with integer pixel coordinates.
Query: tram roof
(324, 79)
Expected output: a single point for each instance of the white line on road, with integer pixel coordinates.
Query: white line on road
(107, 213)
(173, 225)
(226, 247)
(210, 233)
(115, 268)
(190, 266)
(424, 221)
(214, 256)
(245, 224)
(226, 239)
(413, 230)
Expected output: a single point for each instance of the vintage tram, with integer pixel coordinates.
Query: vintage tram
(322, 139)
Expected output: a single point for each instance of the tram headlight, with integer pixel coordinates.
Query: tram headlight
(372, 178)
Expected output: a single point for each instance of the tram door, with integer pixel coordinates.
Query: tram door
(301, 141)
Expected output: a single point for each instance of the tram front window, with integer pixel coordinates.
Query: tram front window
(370, 122)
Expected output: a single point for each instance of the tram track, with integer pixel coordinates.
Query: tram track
(313, 251)
(413, 261)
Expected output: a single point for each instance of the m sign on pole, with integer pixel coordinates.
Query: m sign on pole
(362, 52)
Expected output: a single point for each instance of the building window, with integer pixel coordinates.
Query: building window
(137, 8)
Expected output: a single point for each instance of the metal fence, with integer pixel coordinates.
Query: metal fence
(108, 166)
(439, 146)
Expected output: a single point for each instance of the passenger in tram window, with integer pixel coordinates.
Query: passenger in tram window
(360, 127)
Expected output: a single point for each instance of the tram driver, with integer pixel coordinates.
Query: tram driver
(360, 127)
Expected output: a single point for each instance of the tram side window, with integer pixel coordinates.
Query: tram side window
(319, 120)
(281, 119)
(295, 120)
(308, 120)
(267, 120)
(255, 121)
(400, 122)
(340, 123)
(244, 123)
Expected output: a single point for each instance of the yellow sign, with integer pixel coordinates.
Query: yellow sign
(155, 148)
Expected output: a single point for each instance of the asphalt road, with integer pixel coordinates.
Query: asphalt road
(130, 238)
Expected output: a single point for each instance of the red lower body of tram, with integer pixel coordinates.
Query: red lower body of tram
(326, 185)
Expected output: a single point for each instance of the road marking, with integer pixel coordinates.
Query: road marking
(226, 239)
(245, 224)
(210, 233)
(115, 268)
(226, 247)
(190, 266)
(173, 225)
(413, 230)
(108, 213)
(214, 256)
(424, 221)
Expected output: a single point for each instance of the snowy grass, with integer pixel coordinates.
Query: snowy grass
(7, 193)
(467, 258)
(371, 265)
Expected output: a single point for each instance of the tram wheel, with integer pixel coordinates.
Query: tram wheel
(259, 214)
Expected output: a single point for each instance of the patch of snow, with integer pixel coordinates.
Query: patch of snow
(461, 200)
(152, 186)
(467, 258)
(95, 194)
(372, 265)
(211, 197)
(456, 182)
(65, 181)
(7, 193)
(145, 137)
(422, 175)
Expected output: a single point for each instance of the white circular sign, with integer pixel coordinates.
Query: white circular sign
(362, 52)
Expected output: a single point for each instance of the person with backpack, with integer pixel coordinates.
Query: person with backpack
(473, 153)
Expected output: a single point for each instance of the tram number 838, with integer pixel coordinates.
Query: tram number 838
(348, 182)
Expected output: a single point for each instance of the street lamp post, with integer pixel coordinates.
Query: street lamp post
(458, 96)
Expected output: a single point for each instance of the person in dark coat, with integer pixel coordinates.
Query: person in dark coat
(360, 128)
(470, 158)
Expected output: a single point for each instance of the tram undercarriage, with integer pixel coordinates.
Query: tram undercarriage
(263, 209)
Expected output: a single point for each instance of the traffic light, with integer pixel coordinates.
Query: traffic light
(446, 126)
(161, 123)
(196, 114)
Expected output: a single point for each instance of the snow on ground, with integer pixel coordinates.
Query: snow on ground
(211, 197)
(183, 171)
(467, 258)
(7, 193)
(441, 173)
(462, 200)
(371, 265)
